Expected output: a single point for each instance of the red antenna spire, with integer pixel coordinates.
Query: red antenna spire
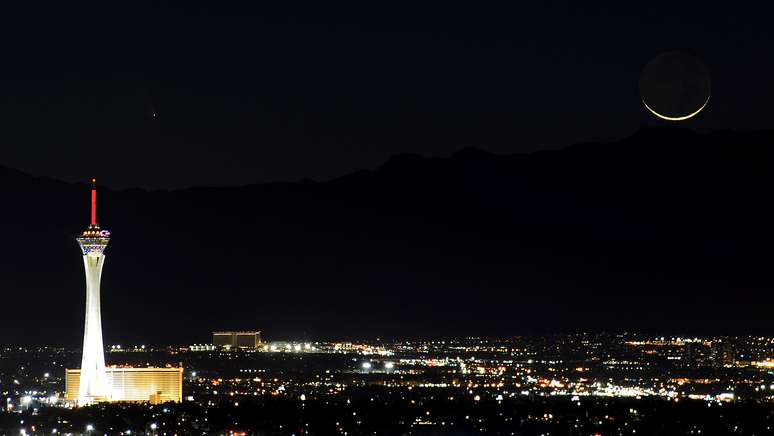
(93, 202)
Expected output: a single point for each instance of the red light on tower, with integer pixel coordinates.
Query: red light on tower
(93, 202)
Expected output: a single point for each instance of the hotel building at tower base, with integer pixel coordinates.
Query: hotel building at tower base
(154, 385)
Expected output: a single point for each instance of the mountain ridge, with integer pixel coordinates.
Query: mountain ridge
(665, 230)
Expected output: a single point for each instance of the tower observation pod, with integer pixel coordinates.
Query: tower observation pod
(93, 382)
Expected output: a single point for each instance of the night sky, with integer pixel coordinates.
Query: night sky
(212, 94)
(427, 215)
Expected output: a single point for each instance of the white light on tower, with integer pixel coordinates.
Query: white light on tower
(93, 385)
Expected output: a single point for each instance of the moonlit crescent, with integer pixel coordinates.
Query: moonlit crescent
(677, 118)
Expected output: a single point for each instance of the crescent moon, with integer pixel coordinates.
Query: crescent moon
(664, 117)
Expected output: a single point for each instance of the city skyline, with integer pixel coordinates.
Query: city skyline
(575, 383)
(332, 219)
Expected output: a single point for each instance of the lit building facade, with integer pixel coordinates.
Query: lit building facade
(244, 339)
(154, 385)
(93, 241)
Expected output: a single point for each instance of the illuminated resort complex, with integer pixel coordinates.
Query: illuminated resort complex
(154, 385)
(93, 382)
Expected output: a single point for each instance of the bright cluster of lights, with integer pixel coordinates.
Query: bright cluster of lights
(288, 347)
(368, 365)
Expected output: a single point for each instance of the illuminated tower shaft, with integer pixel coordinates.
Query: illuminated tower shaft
(93, 385)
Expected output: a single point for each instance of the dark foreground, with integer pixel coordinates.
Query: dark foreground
(377, 411)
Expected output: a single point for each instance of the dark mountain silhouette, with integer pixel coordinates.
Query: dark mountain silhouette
(667, 231)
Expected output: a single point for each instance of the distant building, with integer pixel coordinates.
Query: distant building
(243, 339)
(723, 353)
(155, 385)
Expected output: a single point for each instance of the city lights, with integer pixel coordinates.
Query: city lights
(485, 218)
(461, 373)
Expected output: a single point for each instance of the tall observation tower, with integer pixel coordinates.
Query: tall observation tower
(93, 381)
